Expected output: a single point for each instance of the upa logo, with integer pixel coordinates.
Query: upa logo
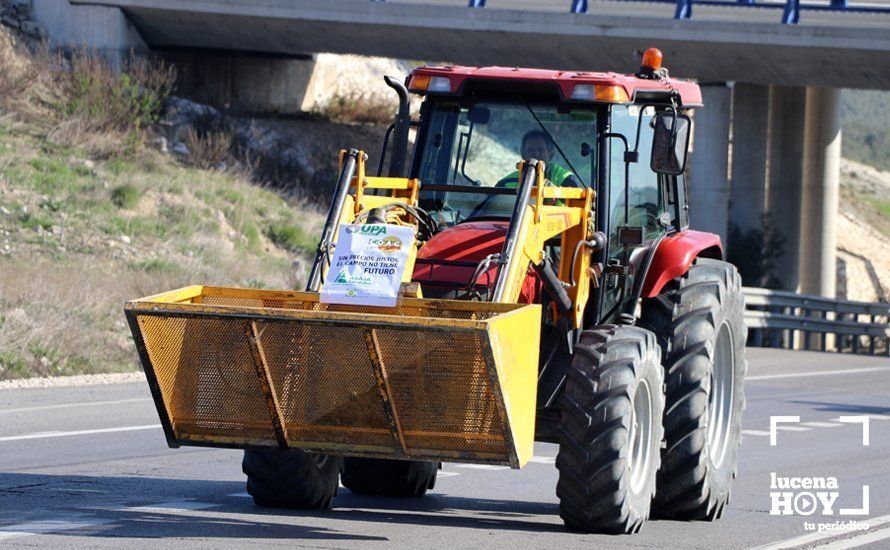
(370, 230)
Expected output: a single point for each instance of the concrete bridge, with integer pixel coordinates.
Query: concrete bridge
(773, 87)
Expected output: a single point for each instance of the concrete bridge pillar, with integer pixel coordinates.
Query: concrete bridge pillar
(821, 171)
(709, 180)
(785, 173)
(750, 125)
(102, 29)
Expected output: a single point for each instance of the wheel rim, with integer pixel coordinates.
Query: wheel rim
(721, 397)
(640, 437)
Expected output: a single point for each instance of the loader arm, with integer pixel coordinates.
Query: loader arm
(542, 213)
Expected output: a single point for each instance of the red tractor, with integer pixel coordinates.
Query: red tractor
(554, 292)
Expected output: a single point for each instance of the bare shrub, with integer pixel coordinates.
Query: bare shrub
(358, 107)
(18, 75)
(208, 149)
(126, 101)
(81, 132)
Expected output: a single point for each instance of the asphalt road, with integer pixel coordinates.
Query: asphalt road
(88, 467)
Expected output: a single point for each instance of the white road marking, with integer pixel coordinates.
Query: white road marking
(240, 495)
(447, 474)
(39, 527)
(857, 541)
(871, 416)
(69, 405)
(823, 536)
(45, 435)
(814, 373)
(174, 505)
(482, 467)
(755, 432)
(543, 459)
(792, 429)
(821, 424)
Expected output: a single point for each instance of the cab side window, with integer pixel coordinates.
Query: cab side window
(644, 201)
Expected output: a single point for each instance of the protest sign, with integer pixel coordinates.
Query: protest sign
(368, 264)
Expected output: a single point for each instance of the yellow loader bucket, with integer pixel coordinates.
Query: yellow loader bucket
(426, 380)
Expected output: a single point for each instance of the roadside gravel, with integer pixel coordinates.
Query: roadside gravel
(79, 380)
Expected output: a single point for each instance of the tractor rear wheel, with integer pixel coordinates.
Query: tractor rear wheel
(291, 479)
(699, 322)
(393, 478)
(610, 433)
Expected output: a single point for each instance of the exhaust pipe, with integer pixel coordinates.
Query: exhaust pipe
(400, 134)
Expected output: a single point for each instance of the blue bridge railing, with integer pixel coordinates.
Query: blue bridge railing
(791, 9)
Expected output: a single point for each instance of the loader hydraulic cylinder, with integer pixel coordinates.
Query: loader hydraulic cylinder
(508, 255)
(347, 172)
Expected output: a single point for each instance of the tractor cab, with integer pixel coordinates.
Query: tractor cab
(624, 137)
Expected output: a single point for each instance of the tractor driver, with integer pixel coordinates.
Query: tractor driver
(536, 144)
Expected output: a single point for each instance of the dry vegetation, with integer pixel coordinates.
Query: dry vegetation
(91, 217)
(358, 107)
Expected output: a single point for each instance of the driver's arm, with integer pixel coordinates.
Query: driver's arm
(561, 177)
(571, 181)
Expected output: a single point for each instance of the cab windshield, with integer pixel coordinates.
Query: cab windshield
(475, 149)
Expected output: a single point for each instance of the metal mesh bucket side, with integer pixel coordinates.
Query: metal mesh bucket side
(515, 344)
(440, 388)
(325, 386)
(207, 377)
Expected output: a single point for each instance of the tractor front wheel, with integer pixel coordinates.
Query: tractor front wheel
(699, 321)
(611, 432)
(393, 478)
(291, 479)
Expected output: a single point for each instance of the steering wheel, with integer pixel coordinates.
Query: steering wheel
(649, 209)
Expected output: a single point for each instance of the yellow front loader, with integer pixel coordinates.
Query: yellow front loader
(429, 379)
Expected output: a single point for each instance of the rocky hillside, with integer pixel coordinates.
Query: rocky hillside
(864, 116)
(863, 233)
(91, 214)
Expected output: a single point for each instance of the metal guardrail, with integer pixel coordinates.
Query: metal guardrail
(791, 9)
(781, 319)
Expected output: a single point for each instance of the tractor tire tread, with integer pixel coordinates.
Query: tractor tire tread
(594, 485)
(685, 318)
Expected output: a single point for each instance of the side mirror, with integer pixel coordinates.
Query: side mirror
(670, 145)
(479, 115)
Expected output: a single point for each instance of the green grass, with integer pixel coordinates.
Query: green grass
(32, 220)
(191, 227)
(154, 265)
(125, 196)
(291, 237)
(864, 117)
(13, 365)
(882, 206)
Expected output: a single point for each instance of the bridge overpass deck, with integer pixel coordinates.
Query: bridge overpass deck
(719, 44)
